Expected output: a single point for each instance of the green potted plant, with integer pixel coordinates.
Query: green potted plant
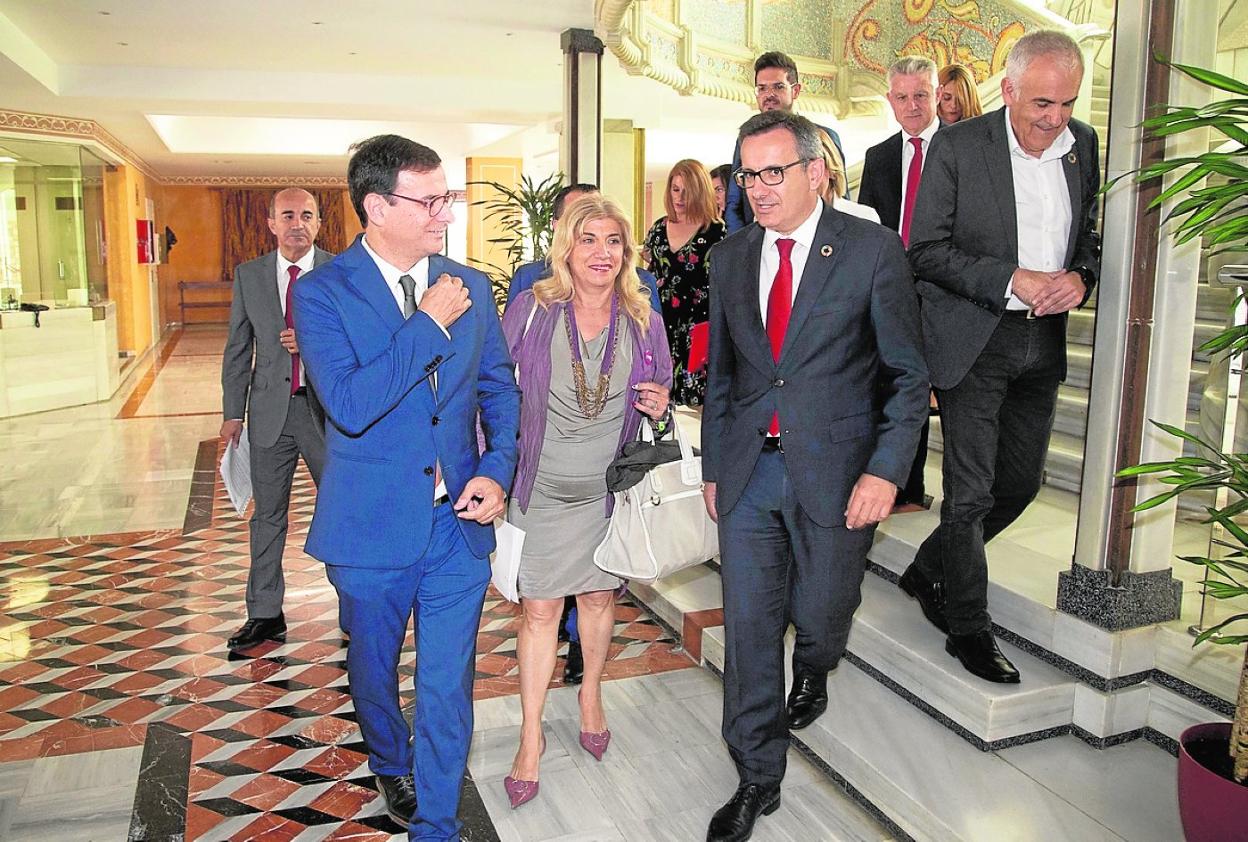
(1213, 758)
(525, 213)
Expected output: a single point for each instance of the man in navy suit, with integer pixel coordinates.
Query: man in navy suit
(405, 349)
(816, 393)
(776, 87)
(891, 174)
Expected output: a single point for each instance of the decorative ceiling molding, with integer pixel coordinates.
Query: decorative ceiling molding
(73, 128)
(669, 42)
(254, 181)
(842, 47)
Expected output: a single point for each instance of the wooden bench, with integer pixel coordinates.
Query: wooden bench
(185, 305)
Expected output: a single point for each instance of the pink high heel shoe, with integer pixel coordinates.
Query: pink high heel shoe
(521, 792)
(596, 742)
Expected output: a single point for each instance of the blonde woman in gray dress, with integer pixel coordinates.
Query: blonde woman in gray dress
(593, 366)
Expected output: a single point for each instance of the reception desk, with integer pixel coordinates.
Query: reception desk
(71, 359)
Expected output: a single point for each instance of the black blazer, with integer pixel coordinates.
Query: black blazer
(851, 385)
(880, 185)
(964, 236)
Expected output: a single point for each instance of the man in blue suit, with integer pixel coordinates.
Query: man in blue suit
(405, 349)
(532, 272)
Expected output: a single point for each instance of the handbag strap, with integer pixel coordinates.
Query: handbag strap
(690, 469)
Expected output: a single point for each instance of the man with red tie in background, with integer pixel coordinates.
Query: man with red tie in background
(285, 418)
(891, 174)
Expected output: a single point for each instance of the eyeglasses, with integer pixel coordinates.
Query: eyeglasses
(434, 204)
(773, 88)
(771, 176)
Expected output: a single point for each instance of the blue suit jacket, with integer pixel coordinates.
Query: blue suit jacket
(531, 273)
(372, 370)
(737, 210)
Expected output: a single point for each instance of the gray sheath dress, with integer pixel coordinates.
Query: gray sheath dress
(567, 518)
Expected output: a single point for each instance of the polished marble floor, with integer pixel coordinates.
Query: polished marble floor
(122, 715)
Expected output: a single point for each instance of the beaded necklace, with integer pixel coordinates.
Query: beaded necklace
(591, 402)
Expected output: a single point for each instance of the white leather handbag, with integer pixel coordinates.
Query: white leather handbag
(660, 525)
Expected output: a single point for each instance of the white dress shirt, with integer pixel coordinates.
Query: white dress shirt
(419, 272)
(804, 238)
(305, 265)
(1041, 207)
(907, 155)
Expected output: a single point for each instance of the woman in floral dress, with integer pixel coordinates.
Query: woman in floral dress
(675, 251)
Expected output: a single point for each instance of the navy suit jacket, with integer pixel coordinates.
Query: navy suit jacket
(388, 425)
(880, 185)
(851, 385)
(531, 273)
(737, 210)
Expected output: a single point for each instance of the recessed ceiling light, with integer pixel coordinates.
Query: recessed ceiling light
(353, 53)
(105, 13)
(123, 44)
(317, 22)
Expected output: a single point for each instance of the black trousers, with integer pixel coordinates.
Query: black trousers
(996, 426)
(915, 490)
(777, 563)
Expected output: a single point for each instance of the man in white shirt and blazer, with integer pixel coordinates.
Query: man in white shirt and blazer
(1003, 244)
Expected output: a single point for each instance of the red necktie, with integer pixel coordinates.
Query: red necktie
(912, 189)
(290, 323)
(779, 307)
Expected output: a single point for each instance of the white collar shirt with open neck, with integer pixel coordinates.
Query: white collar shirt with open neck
(1041, 206)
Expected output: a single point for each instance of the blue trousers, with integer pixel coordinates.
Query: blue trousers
(776, 565)
(445, 590)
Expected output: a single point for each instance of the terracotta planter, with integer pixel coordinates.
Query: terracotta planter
(1212, 807)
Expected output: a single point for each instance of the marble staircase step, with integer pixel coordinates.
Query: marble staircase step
(890, 637)
(1079, 374)
(932, 784)
(891, 640)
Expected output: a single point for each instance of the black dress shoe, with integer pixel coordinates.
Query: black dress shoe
(574, 666)
(734, 822)
(931, 596)
(807, 700)
(399, 793)
(978, 652)
(258, 630)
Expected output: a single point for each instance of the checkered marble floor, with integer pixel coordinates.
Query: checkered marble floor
(116, 641)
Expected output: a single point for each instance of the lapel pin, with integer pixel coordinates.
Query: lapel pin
(1072, 157)
(826, 251)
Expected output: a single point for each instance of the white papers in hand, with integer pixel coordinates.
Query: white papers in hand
(236, 473)
(505, 572)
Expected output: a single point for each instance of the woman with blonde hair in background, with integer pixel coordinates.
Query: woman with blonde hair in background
(957, 98)
(834, 191)
(593, 366)
(676, 250)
